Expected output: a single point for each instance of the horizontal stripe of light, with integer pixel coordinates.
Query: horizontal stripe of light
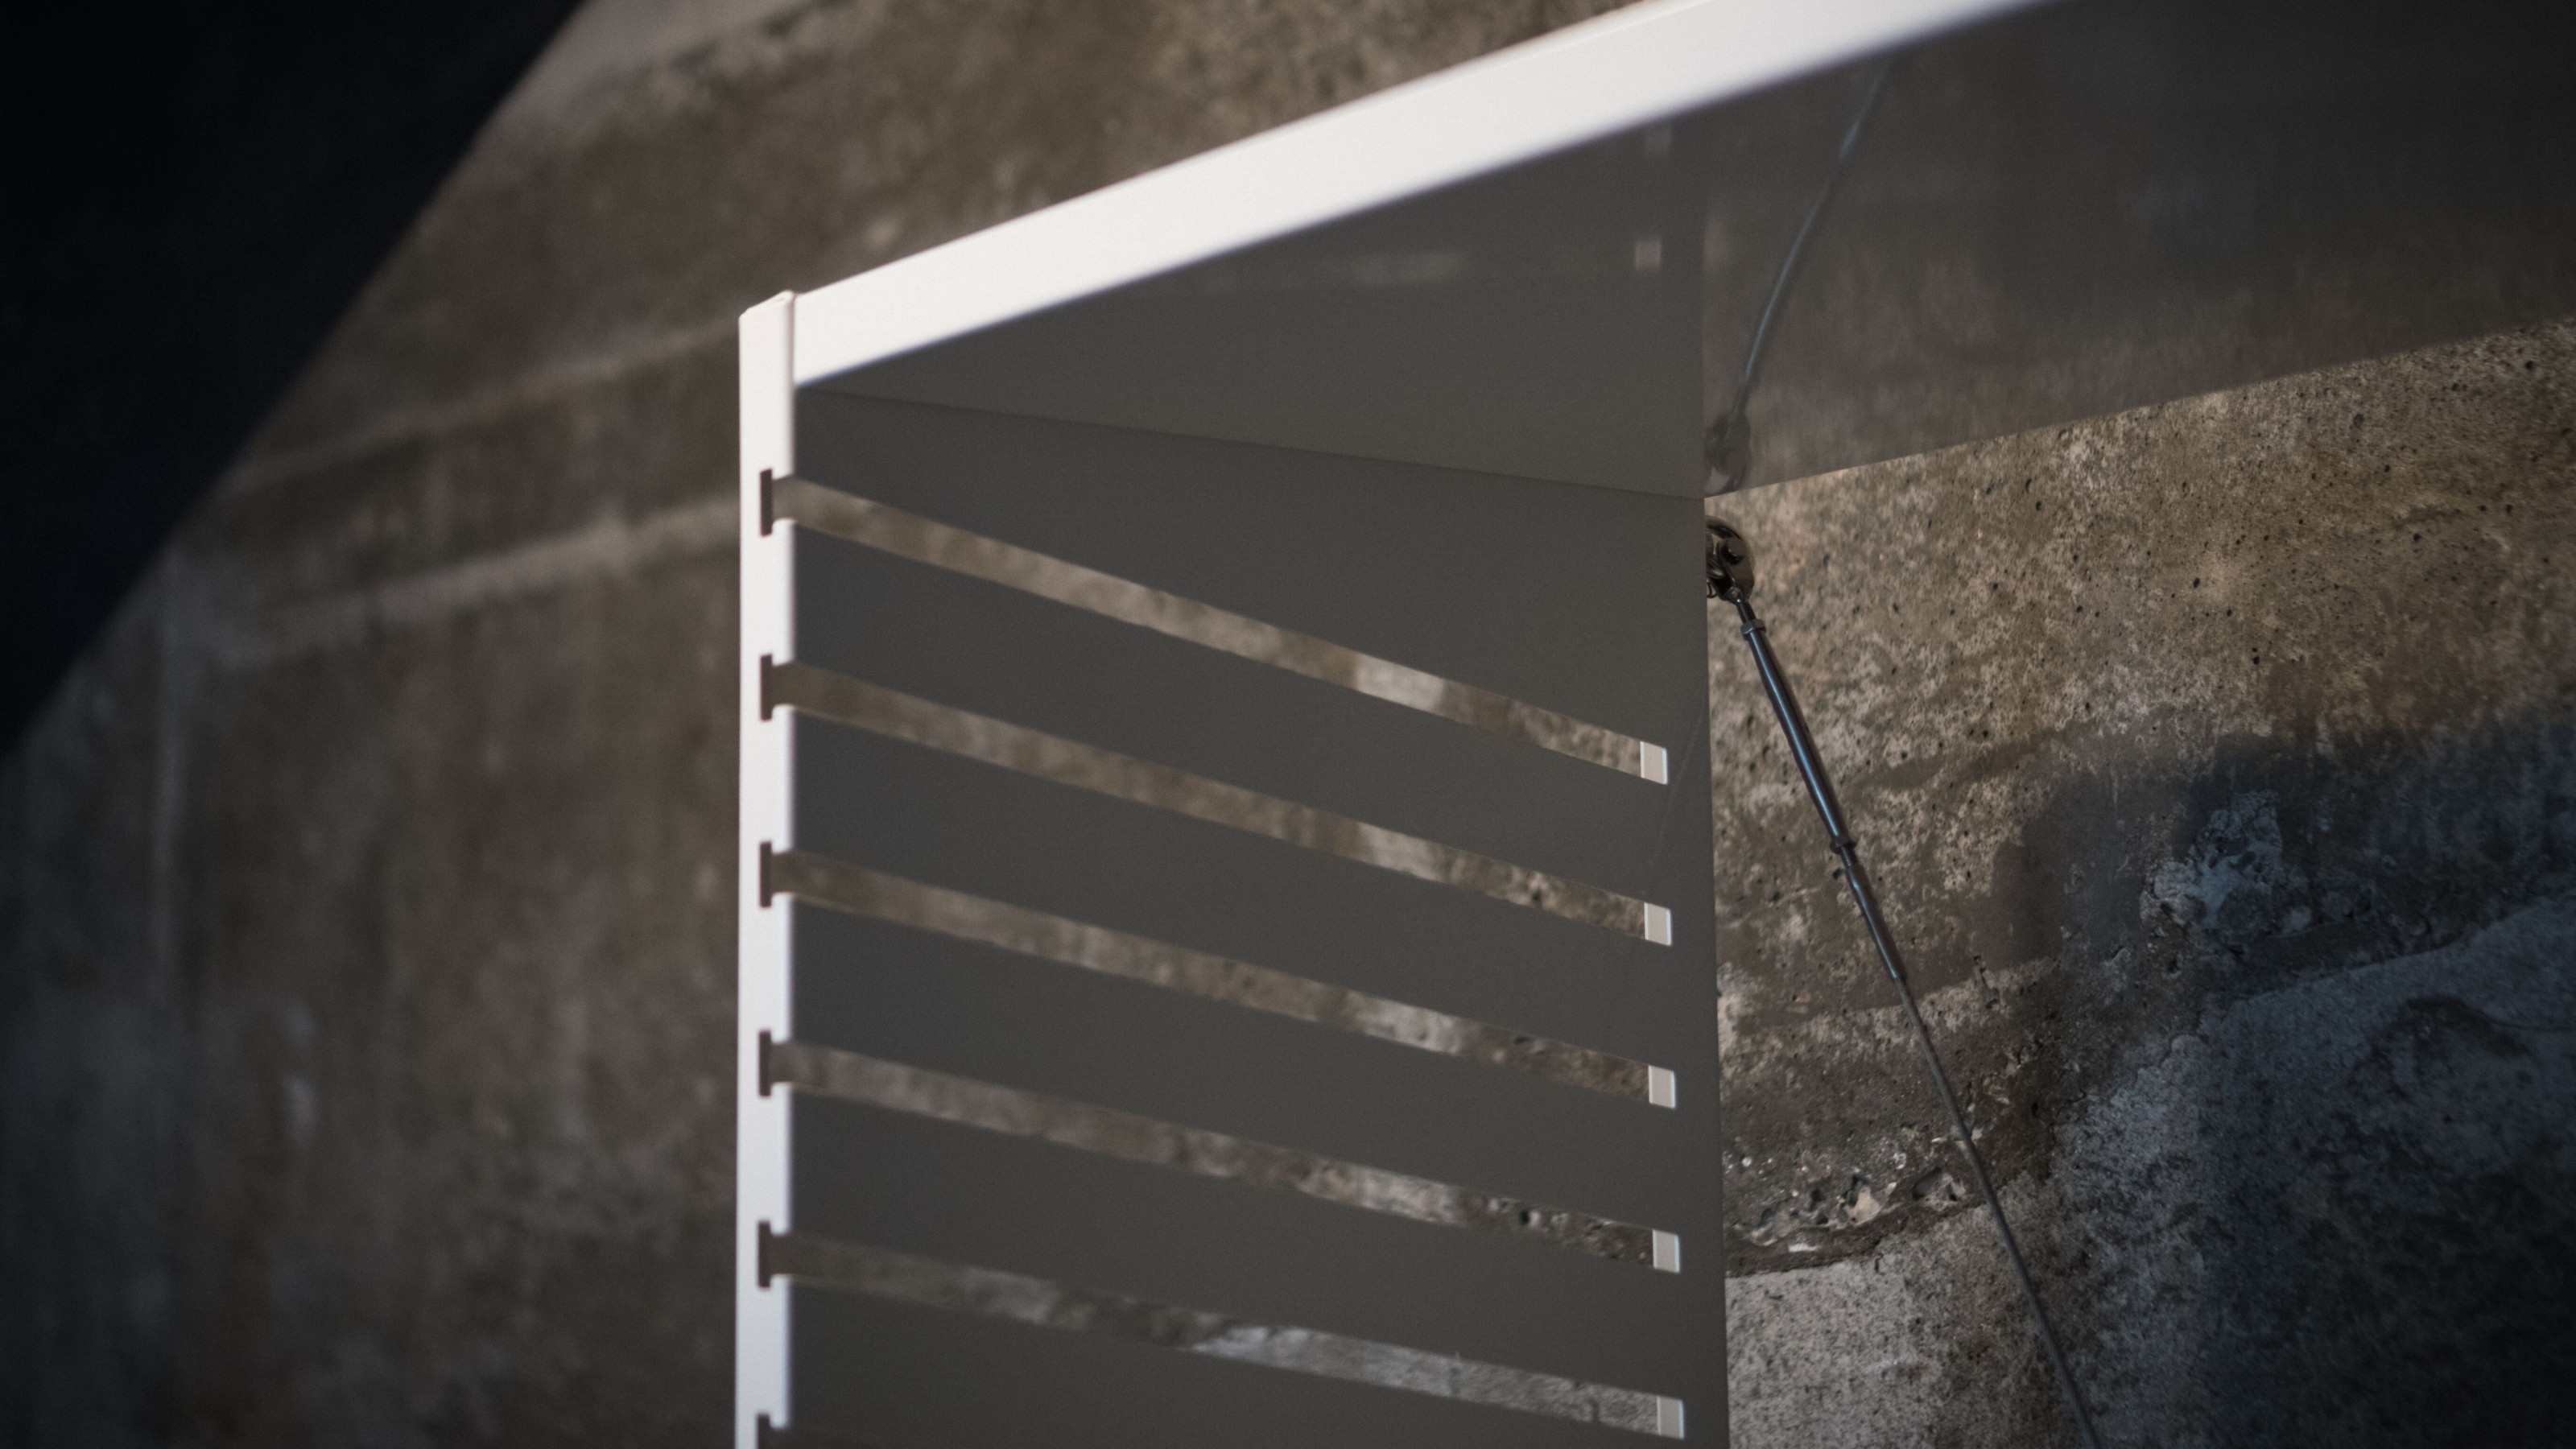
(856, 1077)
(901, 716)
(879, 896)
(907, 535)
(1049, 1303)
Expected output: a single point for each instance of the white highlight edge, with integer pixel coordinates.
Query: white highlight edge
(1654, 763)
(1668, 1251)
(1627, 69)
(1659, 924)
(761, 945)
(1668, 1417)
(1662, 1088)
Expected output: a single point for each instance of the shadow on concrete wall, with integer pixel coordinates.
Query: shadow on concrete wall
(2219, 764)
(2347, 1169)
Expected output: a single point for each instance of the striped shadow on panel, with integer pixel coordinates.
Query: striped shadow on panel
(907, 535)
(854, 1077)
(860, 891)
(1045, 1303)
(887, 712)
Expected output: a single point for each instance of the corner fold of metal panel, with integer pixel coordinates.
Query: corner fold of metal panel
(768, 424)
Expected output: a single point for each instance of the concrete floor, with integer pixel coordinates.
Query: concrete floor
(368, 1002)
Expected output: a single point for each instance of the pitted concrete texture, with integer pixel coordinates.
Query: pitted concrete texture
(369, 992)
(2218, 762)
(365, 1033)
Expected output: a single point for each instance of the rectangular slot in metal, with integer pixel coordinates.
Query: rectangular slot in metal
(860, 705)
(892, 1373)
(951, 821)
(971, 1011)
(879, 896)
(990, 650)
(1067, 1307)
(1229, 944)
(901, 1087)
(1026, 1205)
(907, 535)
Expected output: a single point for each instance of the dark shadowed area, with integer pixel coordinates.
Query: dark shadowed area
(190, 193)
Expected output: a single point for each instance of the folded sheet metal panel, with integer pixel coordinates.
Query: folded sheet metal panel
(1226, 921)
(1622, 73)
(1225, 902)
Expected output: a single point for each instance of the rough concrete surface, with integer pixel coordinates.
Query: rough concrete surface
(366, 1024)
(2218, 761)
(366, 1028)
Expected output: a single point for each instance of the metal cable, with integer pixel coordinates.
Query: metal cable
(1966, 1138)
(1807, 228)
(1730, 439)
(1730, 578)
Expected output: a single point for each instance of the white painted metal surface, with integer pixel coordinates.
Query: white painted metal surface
(760, 1120)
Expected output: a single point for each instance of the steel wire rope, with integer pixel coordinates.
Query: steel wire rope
(1730, 577)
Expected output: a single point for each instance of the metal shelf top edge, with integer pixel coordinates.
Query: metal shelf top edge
(1627, 69)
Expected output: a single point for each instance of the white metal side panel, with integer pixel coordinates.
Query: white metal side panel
(760, 1133)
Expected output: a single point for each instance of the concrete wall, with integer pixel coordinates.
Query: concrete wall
(366, 1027)
(2219, 762)
(367, 1005)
